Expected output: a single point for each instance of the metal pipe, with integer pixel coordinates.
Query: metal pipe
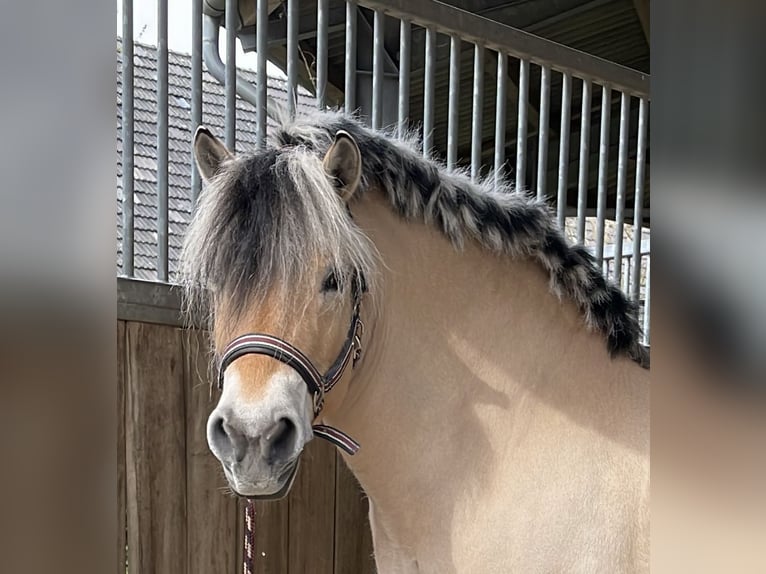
(262, 101)
(215, 67)
(196, 91)
(377, 70)
(162, 140)
(521, 128)
(622, 170)
(293, 15)
(404, 76)
(350, 87)
(638, 205)
(477, 111)
(500, 109)
(603, 164)
(230, 94)
(542, 132)
(453, 115)
(428, 94)
(563, 183)
(322, 25)
(127, 138)
(582, 177)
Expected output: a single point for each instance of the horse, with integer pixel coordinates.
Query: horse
(492, 378)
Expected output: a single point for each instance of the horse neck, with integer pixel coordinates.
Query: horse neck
(469, 354)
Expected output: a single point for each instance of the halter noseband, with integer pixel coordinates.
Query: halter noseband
(318, 384)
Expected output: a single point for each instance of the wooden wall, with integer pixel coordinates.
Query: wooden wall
(175, 515)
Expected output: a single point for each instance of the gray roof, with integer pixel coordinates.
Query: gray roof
(180, 132)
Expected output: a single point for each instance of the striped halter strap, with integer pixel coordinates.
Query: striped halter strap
(318, 384)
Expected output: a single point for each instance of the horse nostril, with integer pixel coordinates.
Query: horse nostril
(279, 441)
(226, 442)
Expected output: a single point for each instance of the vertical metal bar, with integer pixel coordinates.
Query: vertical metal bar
(647, 300)
(377, 70)
(521, 129)
(322, 15)
(453, 114)
(542, 132)
(478, 109)
(500, 109)
(230, 84)
(622, 171)
(603, 164)
(405, 29)
(428, 95)
(127, 138)
(262, 79)
(638, 205)
(350, 87)
(162, 140)
(563, 183)
(582, 177)
(196, 90)
(293, 15)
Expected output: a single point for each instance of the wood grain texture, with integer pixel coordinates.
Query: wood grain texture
(121, 486)
(271, 523)
(353, 539)
(211, 512)
(156, 450)
(312, 511)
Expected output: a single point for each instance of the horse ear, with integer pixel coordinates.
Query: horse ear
(209, 152)
(343, 162)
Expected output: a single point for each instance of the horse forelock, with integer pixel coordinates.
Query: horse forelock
(253, 228)
(263, 227)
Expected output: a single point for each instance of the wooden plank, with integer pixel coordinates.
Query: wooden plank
(156, 450)
(312, 511)
(121, 487)
(271, 520)
(211, 513)
(353, 539)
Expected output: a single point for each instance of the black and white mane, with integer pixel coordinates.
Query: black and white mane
(265, 208)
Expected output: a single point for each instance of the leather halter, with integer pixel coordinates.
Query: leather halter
(318, 384)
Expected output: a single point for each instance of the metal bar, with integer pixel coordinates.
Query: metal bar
(127, 138)
(542, 131)
(453, 114)
(323, 10)
(293, 15)
(523, 45)
(638, 205)
(262, 79)
(405, 35)
(196, 90)
(230, 95)
(582, 178)
(521, 128)
(477, 111)
(622, 171)
(647, 301)
(563, 183)
(377, 70)
(162, 140)
(350, 87)
(500, 110)
(428, 94)
(603, 164)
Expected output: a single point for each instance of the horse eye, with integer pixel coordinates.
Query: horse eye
(330, 282)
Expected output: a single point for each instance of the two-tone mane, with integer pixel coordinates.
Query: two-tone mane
(236, 228)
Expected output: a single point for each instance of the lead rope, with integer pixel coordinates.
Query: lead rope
(248, 561)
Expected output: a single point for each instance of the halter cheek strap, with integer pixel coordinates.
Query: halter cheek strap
(317, 384)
